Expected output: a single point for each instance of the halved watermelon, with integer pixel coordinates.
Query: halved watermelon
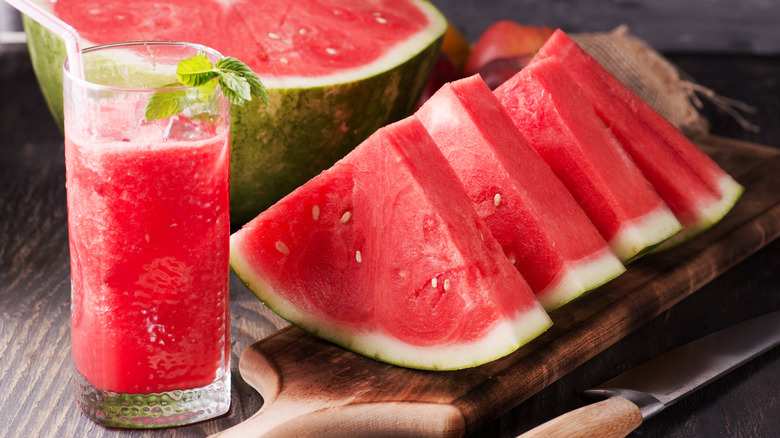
(697, 190)
(384, 254)
(551, 112)
(337, 70)
(538, 223)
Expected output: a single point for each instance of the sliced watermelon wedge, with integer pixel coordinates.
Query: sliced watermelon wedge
(384, 254)
(538, 223)
(697, 190)
(551, 112)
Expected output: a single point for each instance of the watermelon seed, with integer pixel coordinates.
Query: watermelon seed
(381, 20)
(434, 282)
(331, 51)
(302, 31)
(282, 248)
(274, 36)
(315, 212)
(447, 285)
(358, 257)
(403, 274)
(512, 260)
(345, 218)
(497, 199)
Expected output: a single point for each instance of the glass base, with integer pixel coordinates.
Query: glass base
(165, 409)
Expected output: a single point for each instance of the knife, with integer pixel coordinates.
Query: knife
(643, 391)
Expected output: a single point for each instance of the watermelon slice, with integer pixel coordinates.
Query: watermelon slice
(337, 70)
(384, 254)
(538, 223)
(550, 110)
(697, 190)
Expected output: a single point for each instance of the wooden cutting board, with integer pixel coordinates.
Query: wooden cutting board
(313, 388)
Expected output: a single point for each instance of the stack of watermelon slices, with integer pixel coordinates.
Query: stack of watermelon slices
(384, 254)
(697, 190)
(527, 208)
(442, 241)
(550, 111)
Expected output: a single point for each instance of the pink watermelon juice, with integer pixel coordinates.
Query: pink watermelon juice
(145, 265)
(149, 227)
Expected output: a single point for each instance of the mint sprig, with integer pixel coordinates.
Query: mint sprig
(237, 81)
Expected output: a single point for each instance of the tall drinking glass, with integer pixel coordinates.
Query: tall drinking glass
(149, 229)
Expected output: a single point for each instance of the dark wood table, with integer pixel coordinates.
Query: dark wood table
(35, 392)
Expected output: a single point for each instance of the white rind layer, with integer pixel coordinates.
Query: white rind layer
(711, 213)
(393, 58)
(645, 233)
(580, 277)
(504, 338)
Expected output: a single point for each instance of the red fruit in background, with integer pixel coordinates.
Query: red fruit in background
(497, 71)
(457, 47)
(505, 39)
(454, 52)
(443, 72)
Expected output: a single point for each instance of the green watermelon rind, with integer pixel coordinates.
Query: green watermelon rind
(580, 277)
(731, 191)
(501, 341)
(47, 53)
(310, 123)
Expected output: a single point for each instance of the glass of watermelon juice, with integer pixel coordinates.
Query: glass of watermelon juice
(148, 227)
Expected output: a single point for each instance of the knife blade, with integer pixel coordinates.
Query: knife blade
(644, 391)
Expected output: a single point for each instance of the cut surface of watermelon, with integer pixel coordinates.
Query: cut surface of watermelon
(696, 189)
(541, 227)
(297, 44)
(337, 70)
(559, 122)
(384, 254)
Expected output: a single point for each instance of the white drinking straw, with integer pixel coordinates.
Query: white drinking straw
(60, 28)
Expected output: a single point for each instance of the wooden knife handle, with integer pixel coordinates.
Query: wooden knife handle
(613, 417)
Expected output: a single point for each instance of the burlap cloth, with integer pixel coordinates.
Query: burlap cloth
(662, 85)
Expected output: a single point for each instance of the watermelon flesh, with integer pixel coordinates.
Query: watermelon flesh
(538, 223)
(384, 254)
(559, 122)
(284, 44)
(696, 189)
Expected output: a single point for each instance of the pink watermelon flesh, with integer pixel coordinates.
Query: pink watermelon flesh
(298, 38)
(538, 223)
(696, 189)
(384, 254)
(550, 110)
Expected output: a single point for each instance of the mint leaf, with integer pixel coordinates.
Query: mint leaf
(164, 104)
(207, 90)
(195, 71)
(256, 87)
(235, 87)
(237, 81)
